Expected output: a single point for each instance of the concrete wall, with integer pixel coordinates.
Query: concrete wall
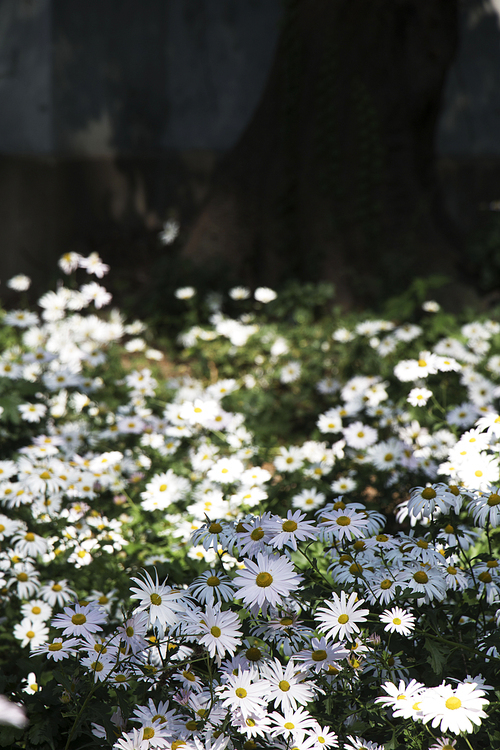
(113, 114)
(104, 77)
(25, 77)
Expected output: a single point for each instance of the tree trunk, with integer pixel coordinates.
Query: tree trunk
(334, 176)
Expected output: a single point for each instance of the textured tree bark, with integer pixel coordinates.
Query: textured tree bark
(334, 176)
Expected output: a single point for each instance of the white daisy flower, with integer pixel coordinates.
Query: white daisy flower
(19, 283)
(398, 621)
(264, 294)
(419, 396)
(340, 617)
(158, 600)
(344, 523)
(288, 531)
(31, 632)
(12, 713)
(266, 582)
(217, 631)
(454, 709)
(287, 687)
(244, 691)
(308, 500)
(80, 619)
(403, 699)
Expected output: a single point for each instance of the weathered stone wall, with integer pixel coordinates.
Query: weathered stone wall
(113, 114)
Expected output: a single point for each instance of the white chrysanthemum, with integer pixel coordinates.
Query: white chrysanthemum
(419, 396)
(158, 600)
(454, 709)
(398, 620)
(403, 699)
(12, 713)
(264, 294)
(19, 283)
(266, 582)
(340, 617)
(217, 631)
(244, 691)
(344, 523)
(358, 435)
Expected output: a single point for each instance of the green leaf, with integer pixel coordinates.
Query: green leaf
(438, 655)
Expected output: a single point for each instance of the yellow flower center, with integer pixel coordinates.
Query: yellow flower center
(189, 676)
(79, 619)
(451, 570)
(215, 631)
(155, 599)
(397, 621)
(253, 654)
(286, 621)
(23, 577)
(319, 655)
(148, 733)
(30, 634)
(215, 528)
(29, 537)
(453, 703)
(356, 569)
(97, 666)
(493, 500)
(241, 692)
(264, 580)
(130, 631)
(382, 538)
(56, 587)
(213, 581)
(257, 534)
(385, 584)
(428, 493)
(421, 577)
(485, 577)
(55, 646)
(289, 725)
(343, 619)
(343, 521)
(289, 526)
(36, 610)
(284, 685)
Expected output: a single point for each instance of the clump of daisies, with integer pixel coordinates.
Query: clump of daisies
(294, 545)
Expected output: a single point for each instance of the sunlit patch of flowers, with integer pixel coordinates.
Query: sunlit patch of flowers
(294, 546)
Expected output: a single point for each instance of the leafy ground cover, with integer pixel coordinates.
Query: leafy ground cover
(285, 537)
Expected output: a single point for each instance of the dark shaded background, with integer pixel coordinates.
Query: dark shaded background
(115, 113)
